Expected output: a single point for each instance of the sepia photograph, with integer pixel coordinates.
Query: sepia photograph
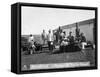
(53, 38)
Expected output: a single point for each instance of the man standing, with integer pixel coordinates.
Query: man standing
(31, 42)
(44, 37)
(77, 30)
(58, 32)
(50, 40)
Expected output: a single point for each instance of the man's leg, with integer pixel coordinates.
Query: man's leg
(49, 45)
(30, 50)
(83, 45)
(43, 41)
(33, 48)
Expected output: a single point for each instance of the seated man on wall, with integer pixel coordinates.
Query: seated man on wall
(90, 44)
(71, 42)
(38, 47)
(64, 45)
(83, 40)
(70, 39)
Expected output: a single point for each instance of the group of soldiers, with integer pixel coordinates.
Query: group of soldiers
(58, 37)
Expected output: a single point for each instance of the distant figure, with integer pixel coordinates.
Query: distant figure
(31, 42)
(61, 36)
(83, 40)
(31, 38)
(77, 33)
(58, 35)
(54, 37)
(50, 39)
(44, 37)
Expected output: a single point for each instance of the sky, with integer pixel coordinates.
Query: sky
(35, 19)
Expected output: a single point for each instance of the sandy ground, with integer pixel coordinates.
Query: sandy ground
(45, 58)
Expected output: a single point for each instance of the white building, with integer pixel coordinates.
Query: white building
(86, 27)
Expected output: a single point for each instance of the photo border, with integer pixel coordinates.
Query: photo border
(19, 5)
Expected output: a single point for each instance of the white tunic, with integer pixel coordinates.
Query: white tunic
(50, 37)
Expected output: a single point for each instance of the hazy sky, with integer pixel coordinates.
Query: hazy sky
(35, 19)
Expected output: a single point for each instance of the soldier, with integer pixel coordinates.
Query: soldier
(83, 40)
(31, 42)
(58, 33)
(77, 33)
(70, 39)
(44, 37)
(50, 39)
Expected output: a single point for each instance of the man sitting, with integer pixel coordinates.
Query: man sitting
(44, 37)
(38, 47)
(64, 45)
(70, 39)
(71, 43)
(83, 41)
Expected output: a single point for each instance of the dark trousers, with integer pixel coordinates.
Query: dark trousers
(63, 48)
(50, 45)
